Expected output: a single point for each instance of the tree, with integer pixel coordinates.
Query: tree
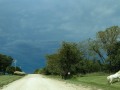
(108, 38)
(69, 55)
(5, 61)
(53, 63)
(114, 58)
(36, 71)
(84, 48)
(12, 69)
(94, 45)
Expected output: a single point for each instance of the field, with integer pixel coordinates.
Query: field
(94, 80)
(97, 80)
(5, 79)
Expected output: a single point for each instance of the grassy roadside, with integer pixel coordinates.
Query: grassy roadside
(94, 80)
(6, 79)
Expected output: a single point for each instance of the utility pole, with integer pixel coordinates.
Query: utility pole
(20, 67)
(15, 61)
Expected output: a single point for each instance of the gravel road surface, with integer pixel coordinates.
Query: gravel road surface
(39, 82)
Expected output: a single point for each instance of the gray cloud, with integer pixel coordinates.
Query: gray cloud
(40, 25)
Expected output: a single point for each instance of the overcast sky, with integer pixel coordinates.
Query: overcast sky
(29, 29)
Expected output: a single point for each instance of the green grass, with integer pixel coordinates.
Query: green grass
(94, 80)
(6, 79)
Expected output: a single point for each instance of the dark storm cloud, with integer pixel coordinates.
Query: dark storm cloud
(31, 28)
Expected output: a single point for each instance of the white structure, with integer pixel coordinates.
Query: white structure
(15, 61)
(112, 77)
(19, 73)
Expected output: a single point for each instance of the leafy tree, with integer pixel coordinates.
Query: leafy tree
(94, 45)
(12, 69)
(114, 58)
(84, 48)
(108, 38)
(69, 55)
(45, 71)
(42, 71)
(53, 63)
(5, 61)
(36, 71)
(88, 66)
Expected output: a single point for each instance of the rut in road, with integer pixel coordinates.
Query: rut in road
(39, 82)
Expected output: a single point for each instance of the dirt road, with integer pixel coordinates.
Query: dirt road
(39, 82)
